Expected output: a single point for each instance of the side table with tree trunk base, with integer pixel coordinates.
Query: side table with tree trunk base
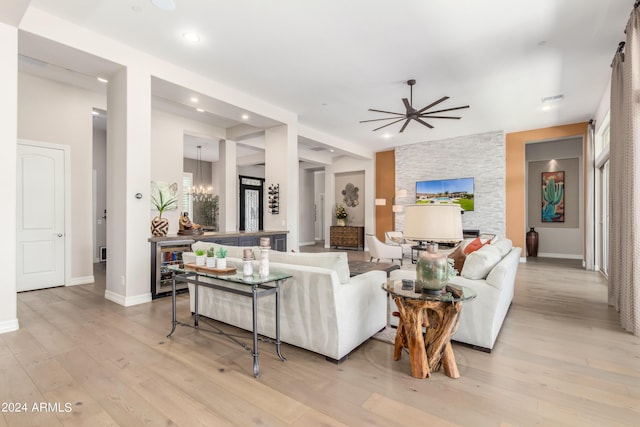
(439, 314)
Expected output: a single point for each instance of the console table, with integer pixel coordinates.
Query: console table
(346, 236)
(439, 313)
(256, 287)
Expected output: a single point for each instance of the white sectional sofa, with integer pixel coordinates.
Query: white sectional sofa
(322, 309)
(491, 272)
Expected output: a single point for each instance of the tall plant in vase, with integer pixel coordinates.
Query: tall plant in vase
(341, 215)
(163, 197)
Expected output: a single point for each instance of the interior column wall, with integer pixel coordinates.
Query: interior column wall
(8, 142)
(128, 173)
(229, 186)
(281, 157)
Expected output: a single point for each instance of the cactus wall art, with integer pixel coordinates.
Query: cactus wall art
(553, 196)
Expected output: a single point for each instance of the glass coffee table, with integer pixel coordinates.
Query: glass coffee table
(256, 287)
(439, 314)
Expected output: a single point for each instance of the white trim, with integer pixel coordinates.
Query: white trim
(523, 259)
(127, 301)
(307, 243)
(66, 149)
(566, 256)
(83, 280)
(9, 326)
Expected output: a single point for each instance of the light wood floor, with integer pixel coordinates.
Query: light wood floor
(560, 360)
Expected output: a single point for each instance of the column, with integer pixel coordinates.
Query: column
(228, 181)
(8, 144)
(281, 159)
(128, 186)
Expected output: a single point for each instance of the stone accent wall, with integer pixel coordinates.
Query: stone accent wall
(481, 156)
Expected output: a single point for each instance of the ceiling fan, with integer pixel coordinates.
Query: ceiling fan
(413, 114)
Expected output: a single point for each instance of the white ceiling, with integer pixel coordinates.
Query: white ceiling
(330, 61)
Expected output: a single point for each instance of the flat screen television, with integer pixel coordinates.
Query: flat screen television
(459, 191)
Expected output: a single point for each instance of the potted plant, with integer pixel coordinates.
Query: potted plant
(163, 197)
(200, 258)
(341, 215)
(221, 261)
(211, 257)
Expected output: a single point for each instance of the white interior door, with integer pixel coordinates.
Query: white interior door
(40, 214)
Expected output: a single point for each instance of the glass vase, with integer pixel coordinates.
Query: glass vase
(432, 270)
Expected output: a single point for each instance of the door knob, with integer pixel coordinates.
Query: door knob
(60, 234)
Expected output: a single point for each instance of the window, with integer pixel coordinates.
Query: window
(187, 200)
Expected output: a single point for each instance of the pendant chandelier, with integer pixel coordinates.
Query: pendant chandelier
(199, 192)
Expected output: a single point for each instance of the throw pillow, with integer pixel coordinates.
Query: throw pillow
(458, 256)
(480, 263)
(474, 245)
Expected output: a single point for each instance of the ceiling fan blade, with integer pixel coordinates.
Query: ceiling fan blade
(448, 109)
(444, 98)
(428, 116)
(389, 124)
(376, 120)
(404, 125)
(424, 123)
(387, 112)
(407, 105)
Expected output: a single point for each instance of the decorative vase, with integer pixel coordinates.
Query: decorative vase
(341, 222)
(211, 262)
(532, 242)
(200, 260)
(432, 270)
(221, 263)
(159, 226)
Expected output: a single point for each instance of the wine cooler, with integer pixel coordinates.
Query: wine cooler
(167, 254)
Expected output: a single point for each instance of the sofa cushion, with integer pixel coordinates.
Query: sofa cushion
(475, 244)
(332, 260)
(479, 263)
(458, 256)
(503, 246)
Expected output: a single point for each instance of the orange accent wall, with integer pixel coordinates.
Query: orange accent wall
(515, 173)
(385, 189)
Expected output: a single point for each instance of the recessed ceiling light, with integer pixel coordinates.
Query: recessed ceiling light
(331, 150)
(386, 135)
(199, 110)
(102, 79)
(164, 4)
(194, 99)
(191, 37)
(245, 117)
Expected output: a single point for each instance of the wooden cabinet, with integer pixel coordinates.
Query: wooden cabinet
(347, 237)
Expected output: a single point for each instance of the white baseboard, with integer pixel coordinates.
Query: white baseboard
(75, 281)
(307, 243)
(9, 326)
(552, 255)
(127, 301)
(523, 259)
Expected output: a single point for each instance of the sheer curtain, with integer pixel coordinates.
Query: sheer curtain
(624, 236)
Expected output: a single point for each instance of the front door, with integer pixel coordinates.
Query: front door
(251, 203)
(40, 212)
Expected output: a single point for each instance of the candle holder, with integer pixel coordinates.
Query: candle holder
(265, 245)
(247, 268)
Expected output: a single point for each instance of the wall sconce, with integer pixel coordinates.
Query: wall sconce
(397, 208)
(381, 202)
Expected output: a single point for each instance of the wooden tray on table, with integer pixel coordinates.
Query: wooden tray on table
(212, 270)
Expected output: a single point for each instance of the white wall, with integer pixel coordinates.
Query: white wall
(318, 192)
(100, 168)
(355, 214)
(61, 114)
(8, 160)
(306, 207)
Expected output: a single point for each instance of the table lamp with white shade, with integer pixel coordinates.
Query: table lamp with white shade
(433, 223)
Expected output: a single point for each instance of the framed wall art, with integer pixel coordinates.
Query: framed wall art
(553, 196)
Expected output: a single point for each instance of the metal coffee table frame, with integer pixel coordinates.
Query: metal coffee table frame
(260, 287)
